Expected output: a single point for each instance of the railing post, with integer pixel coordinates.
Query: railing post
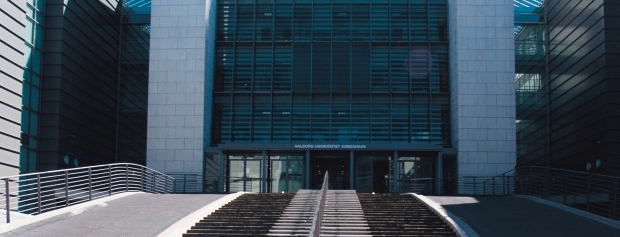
(174, 185)
(504, 184)
(126, 178)
(588, 195)
(475, 189)
(615, 202)
(110, 180)
(154, 190)
(142, 179)
(66, 188)
(565, 186)
(547, 183)
(90, 185)
(8, 200)
(39, 193)
(185, 183)
(166, 184)
(529, 181)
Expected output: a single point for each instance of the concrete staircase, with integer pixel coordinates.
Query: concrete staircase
(346, 214)
(296, 219)
(343, 215)
(401, 215)
(248, 215)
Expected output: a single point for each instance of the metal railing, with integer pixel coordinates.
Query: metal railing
(36, 193)
(595, 193)
(464, 185)
(194, 183)
(317, 220)
(500, 185)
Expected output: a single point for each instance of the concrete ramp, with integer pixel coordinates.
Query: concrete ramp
(140, 214)
(512, 216)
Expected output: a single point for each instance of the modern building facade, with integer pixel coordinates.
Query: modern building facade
(269, 95)
(566, 86)
(262, 95)
(74, 77)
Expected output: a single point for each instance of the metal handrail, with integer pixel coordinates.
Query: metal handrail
(40, 192)
(463, 185)
(317, 220)
(502, 184)
(595, 193)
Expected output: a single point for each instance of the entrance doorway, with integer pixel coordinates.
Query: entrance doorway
(416, 175)
(285, 173)
(381, 176)
(244, 173)
(338, 167)
(373, 172)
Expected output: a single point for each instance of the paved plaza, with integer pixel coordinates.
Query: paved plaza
(512, 216)
(141, 214)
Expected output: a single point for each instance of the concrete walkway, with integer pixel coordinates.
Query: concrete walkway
(140, 214)
(513, 216)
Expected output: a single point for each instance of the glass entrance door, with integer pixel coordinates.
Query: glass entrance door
(363, 175)
(244, 173)
(236, 178)
(373, 172)
(338, 172)
(253, 175)
(416, 175)
(286, 173)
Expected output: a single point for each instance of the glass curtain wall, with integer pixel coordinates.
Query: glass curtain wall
(531, 83)
(33, 36)
(332, 70)
(133, 81)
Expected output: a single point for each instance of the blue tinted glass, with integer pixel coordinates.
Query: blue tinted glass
(23, 160)
(36, 61)
(27, 55)
(38, 36)
(39, 16)
(36, 80)
(40, 4)
(34, 124)
(34, 98)
(30, 11)
(32, 160)
(26, 95)
(138, 6)
(26, 76)
(28, 30)
(25, 120)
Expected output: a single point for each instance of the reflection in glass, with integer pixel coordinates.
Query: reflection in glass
(286, 173)
(331, 57)
(245, 173)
